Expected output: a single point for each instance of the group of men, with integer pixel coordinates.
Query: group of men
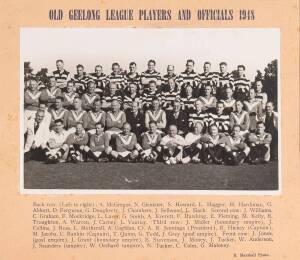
(211, 117)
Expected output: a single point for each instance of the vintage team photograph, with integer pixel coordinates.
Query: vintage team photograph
(150, 110)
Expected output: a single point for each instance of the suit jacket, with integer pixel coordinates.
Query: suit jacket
(137, 122)
(182, 121)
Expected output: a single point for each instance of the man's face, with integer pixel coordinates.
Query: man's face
(152, 128)
(58, 127)
(91, 87)
(189, 91)
(228, 93)
(252, 94)
(207, 90)
(223, 68)
(239, 106)
(70, 87)
(258, 86)
(132, 88)
(172, 130)
(152, 87)
(177, 106)
(213, 131)
(80, 71)
(79, 129)
(97, 106)
(198, 105)
(98, 70)
(220, 108)
(269, 108)
(52, 82)
(32, 85)
(116, 69)
(236, 131)
(260, 128)
(206, 67)
(77, 103)
(197, 129)
(58, 103)
(112, 88)
(135, 107)
(39, 117)
(42, 107)
(59, 65)
(170, 70)
(241, 71)
(155, 104)
(99, 129)
(132, 68)
(115, 106)
(126, 129)
(189, 66)
(151, 66)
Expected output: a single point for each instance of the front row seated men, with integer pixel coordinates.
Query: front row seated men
(61, 145)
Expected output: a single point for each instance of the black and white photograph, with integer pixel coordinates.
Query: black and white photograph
(150, 111)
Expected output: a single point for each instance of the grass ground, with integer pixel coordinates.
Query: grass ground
(38, 175)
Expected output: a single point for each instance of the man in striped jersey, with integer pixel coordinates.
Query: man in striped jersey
(58, 112)
(170, 94)
(89, 97)
(224, 80)
(241, 84)
(116, 77)
(95, 116)
(61, 75)
(150, 95)
(80, 79)
(150, 75)
(132, 95)
(100, 79)
(207, 77)
(133, 77)
(188, 100)
(198, 116)
(112, 94)
(189, 77)
(170, 75)
(219, 119)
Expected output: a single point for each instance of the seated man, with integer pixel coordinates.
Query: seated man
(229, 101)
(236, 150)
(109, 96)
(193, 146)
(98, 146)
(76, 143)
(76, 115)
(219, 119)
(94, 116)
(149, 96)
(259, 145)
(69, 95)
(178, 117)
(172, 145)
(150, 148)
(213, 146)
(115, 118)
(157, 115)
(56, 150)
(36, 136)
(240, 117)
(125, 146)
(198, 115)
(58, 112)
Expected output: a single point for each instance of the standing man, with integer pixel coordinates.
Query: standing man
(189, 77)
(100, 79)
(207, 77)
(116, 77)
(61, 75)
(241, 84)
(150, 75)
(224, 80)
(80, 80)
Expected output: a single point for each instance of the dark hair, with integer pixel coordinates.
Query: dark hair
(234, 126)
(152, 61)
(115, 64)
(99, 123)
(58, 121)
(241, 66)
(259, 123)
(60, 98)
(98, 66)
(132, 63)
(223, 63)
(79, 66)
(207, 62)
(59, 60)
(190, 60)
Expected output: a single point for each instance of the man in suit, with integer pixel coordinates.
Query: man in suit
(179, 118)
(36, 136)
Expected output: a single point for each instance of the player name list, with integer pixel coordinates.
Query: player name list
(150, 225)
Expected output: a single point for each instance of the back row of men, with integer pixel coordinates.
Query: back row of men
(218, 81)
